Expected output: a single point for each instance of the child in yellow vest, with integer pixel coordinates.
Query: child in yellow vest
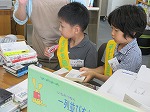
(128, 23)
(75, 49)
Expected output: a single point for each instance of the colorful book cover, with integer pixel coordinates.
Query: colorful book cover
(27, 61)
(48, 92)
(21, 57)
(14, 48)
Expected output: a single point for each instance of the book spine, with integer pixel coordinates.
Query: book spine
(23, 62)
(6, 100)
(15, 71)
(23, 59)
(10, 53)
(20, 56)
(18, 74)
(10, 69)
(27, 61)
(21, 96)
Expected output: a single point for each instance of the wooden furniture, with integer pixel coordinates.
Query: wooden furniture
(7, 80)
(5, 21)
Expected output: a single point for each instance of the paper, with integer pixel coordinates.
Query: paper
(61, 71)
(75, 75)
(144, 74)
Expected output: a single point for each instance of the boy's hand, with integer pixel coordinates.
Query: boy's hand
(84, 69)
(89, 75)
(46, 52)
(23, 2)
(49, 51)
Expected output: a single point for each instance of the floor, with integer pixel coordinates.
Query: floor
(105, 35)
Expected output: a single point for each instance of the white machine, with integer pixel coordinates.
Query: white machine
(5, 4)
(132, 88)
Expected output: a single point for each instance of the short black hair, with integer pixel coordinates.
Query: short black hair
(130, 19)
(75, 14)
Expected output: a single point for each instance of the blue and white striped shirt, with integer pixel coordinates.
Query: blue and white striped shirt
(129, 57)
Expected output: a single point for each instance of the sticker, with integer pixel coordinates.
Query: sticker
(113, 63)
(77, 63)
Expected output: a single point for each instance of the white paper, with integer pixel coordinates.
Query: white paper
(75, 74)
(144, 74)
(61, 71)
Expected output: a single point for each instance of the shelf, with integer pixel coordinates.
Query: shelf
(141, 1)
(93, 8)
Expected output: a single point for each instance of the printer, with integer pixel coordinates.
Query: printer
(129, 87)
(5, 4)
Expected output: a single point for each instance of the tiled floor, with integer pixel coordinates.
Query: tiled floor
(105, 35)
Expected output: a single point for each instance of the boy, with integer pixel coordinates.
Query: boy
(81, 52)
(128, 23)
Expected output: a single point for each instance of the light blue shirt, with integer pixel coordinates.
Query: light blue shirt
(129, 57)
(29, 10)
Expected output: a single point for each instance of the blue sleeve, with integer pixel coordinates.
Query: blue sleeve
(16, 19)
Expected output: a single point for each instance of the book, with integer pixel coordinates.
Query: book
(14, 48)
(21, 57)
(17, 74)
(16, 68)
(48, 92)
(74, 75)
(10, 107)
(20, 91)
(5, 96)
(28, 61)
(61, 71)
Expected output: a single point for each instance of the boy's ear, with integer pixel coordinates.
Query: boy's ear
(77, 29)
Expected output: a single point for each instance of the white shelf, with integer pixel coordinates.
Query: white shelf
(93, 8)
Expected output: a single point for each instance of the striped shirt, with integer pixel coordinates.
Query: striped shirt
(129, 57)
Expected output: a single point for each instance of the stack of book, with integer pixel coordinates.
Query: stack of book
(6, 102)
(20, 92)
(17, 56)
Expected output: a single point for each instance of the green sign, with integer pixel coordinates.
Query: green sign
(51, 93)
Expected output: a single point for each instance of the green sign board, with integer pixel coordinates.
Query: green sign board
(51, 93)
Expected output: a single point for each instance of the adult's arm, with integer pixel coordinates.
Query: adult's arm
(20, 11)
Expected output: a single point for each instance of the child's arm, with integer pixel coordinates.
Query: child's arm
(94, 73)
(91, 74)
(99, 69)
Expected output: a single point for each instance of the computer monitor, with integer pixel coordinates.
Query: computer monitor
(48, 92)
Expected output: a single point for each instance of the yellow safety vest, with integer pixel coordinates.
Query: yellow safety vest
(62, 54)
(110, 49)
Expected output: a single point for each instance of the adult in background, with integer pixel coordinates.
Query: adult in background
(43, 15)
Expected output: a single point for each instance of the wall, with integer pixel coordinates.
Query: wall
(112, 4)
